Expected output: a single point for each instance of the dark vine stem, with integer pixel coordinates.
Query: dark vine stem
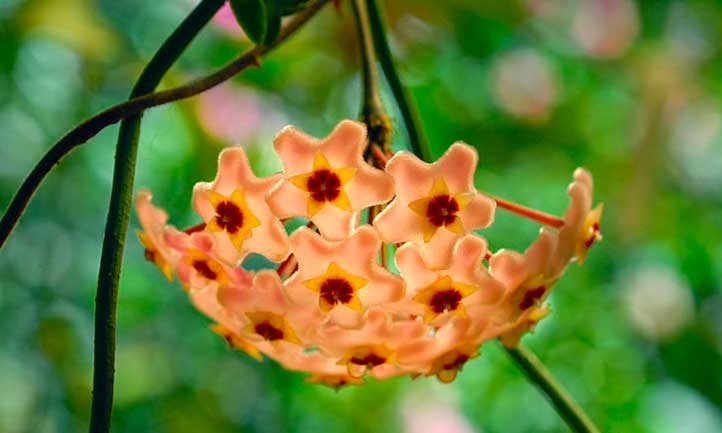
(120, 203)
(565, 406)
(116, 226)
(417, 138)
(373, 115)
(93, 125)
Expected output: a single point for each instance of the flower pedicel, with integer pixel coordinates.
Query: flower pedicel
(333, 309)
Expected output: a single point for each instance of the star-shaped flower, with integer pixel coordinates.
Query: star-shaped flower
(153, 236)
(227, 324)
(433, 293)
(323, 369)
(435, 204)
(360, 359)
(524, 324)
(271, 327)
(444, 353)
(378, 326)
(267, 294)
(327, 180)
(237, 342)
(527, 278)
(341, 277)
(235, 210)
(199, 265)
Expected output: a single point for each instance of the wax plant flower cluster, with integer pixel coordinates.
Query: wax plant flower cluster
(335, 307)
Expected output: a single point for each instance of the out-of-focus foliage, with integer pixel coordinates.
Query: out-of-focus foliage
(630, 90)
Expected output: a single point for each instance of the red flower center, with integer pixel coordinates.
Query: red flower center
(336, 290)
(324, 185)
(371, 360)
(229, 217)
(531, 296)
(149, 255)
(445, 300)
(201, 266)
(268, 331)
(442, 210)
(593, 237)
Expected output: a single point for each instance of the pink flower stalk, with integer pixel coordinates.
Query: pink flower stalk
(332, 308)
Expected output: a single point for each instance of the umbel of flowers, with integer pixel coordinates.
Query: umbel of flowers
(332, 307)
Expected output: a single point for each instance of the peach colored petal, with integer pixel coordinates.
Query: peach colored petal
(457, 166)
(581, 223)
(234, 172)
(264, 293)
(512, 268)
(378, 327)
(206, 301)
(153, 222)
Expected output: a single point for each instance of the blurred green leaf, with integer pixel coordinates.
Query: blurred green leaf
(289, 7)
(252, 15)
(273, 20)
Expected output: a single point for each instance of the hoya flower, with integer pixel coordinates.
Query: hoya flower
(153, 236)
(327, 180)
(323, 369)
(378, 359)
(372, 347)
(234, 209)
(341, 277)
(199, 266)
(270, 326)
(270, 313)
(581, 223)
(435, 294)
(333, 380)
(526, 277)
(435, 204)
(236, 342)
(227, 324)
(525, 323)
(443, 354)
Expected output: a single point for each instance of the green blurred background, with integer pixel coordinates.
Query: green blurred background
(630, 90)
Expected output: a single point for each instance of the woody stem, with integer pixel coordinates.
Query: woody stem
(530, 213)
(116, 226)
(373, 115)
(417, 139)
(123, 174)
(380, 157)
(571, 412)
